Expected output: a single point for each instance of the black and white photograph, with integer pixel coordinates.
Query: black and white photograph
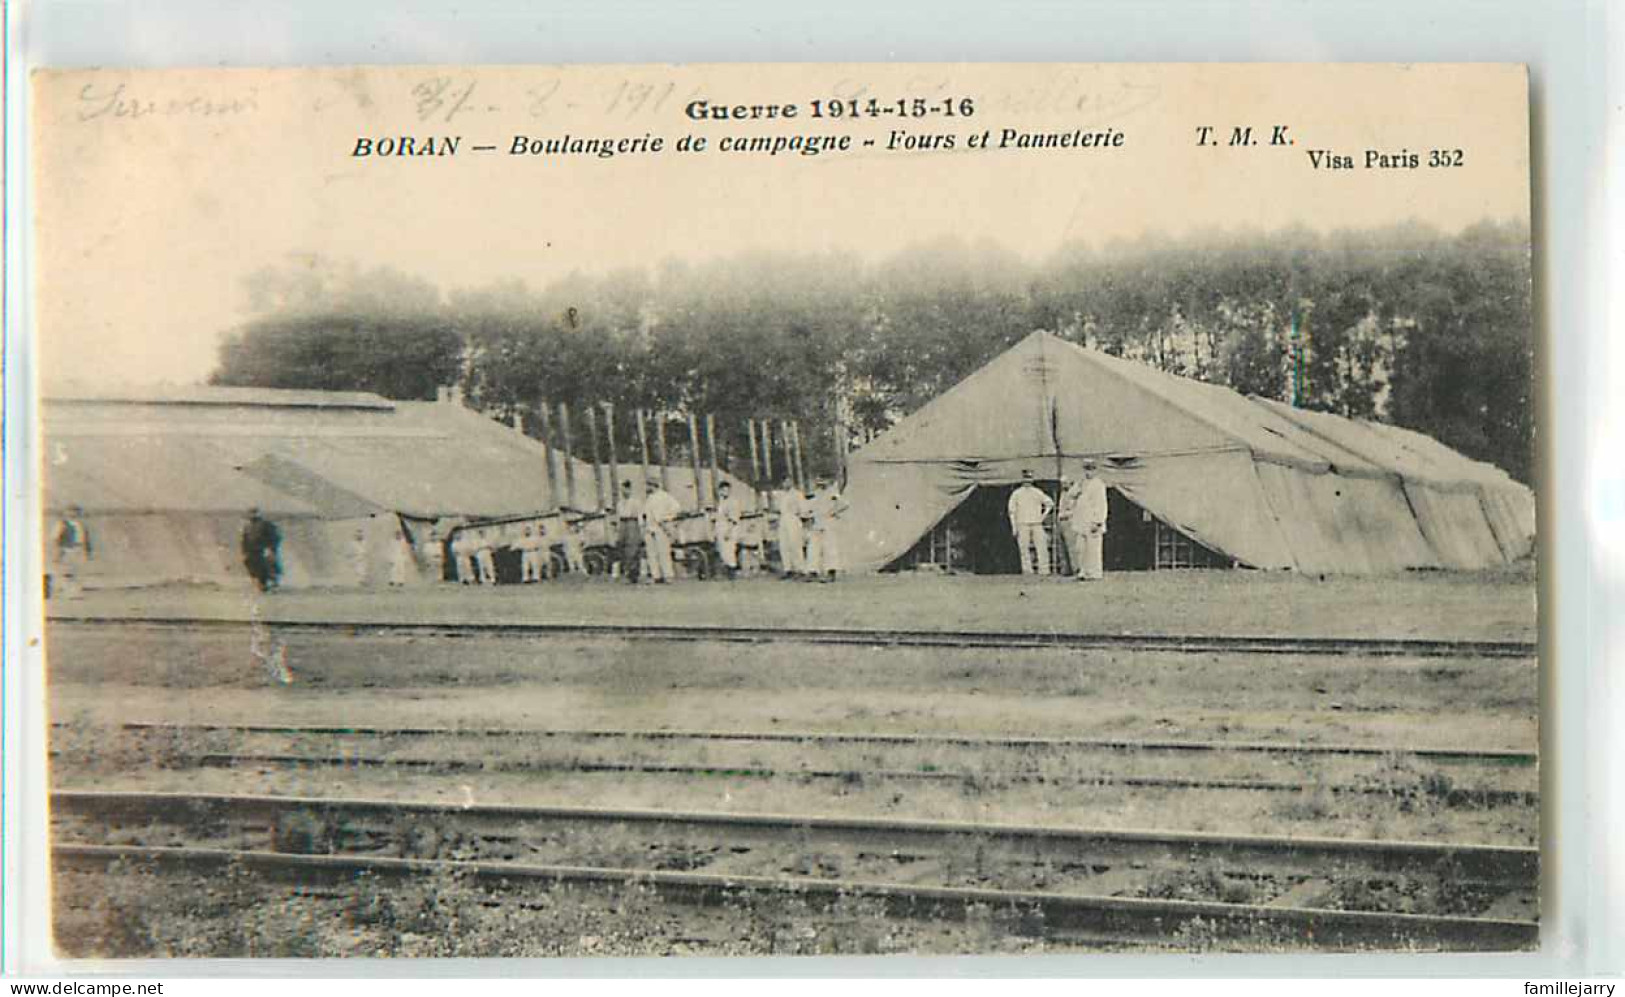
(788, 510)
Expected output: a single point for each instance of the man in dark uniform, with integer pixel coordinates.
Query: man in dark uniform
(72, 551)
(262, 551)
(631, 533)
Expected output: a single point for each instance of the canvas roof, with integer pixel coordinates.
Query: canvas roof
(1106, 405)
(142, 475)
(301, 453)
(1102, 405)
(1404, 452)
(213, 395)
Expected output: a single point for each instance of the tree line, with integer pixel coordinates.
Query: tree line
(1403, 324)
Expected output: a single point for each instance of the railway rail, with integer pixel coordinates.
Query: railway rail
(1466, 756)
(1452, 795)
(1288, 880)
(990, 761)
(1189, 644)
(1498, 865)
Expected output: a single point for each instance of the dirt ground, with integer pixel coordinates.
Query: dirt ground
(106, 675)
(102, 676)
(1497, 605)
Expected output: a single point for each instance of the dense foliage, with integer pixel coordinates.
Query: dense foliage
(341, 329)
(1408, 325)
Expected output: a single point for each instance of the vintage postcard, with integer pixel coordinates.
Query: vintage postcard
(788, 509)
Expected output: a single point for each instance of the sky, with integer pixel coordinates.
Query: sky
(157, 193)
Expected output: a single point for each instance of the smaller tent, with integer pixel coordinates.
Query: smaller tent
(165, 479)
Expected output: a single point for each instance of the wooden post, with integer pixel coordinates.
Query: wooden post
(694, 462)
(842, 445)
(801, 464)
(597, 461)
(660, 450)
(711, 434)
(755, 465)
(643, 445)
(547, 441)
(614, 459)
(789, 453)
(767, 456)
(569, 455)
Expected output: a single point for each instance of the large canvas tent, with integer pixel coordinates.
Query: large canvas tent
(1256, 482)
(165, 478)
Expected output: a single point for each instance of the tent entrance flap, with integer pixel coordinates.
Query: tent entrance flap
(1137, 540)
(976, 538)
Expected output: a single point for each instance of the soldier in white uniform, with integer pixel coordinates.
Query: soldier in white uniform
(1086, 522)
(792, 506)
(485, 556)
(825, 507)
(1028, 509)
(575, 554)
(529, 546)
(729, 526)
(659, 510)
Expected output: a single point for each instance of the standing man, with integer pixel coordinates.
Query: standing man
(1028, 509)
(72, 551)
(792, 543)
(826, 506)
(659, 510)
(529, 546)
(262, 551)
(1071, 491)
(575, 554)
(485, 555)
(631, 533)
(729, 523)
(1087, 524)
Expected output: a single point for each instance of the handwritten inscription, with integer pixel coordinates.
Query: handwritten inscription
(442, 98)
(119, 102)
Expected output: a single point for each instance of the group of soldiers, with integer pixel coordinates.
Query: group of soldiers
(473, 552)
(644, 533)
(807, 547)
(806, 524)
(1081, 516)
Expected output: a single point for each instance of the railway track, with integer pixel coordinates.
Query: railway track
(1451, 795)
(1189, 644)
(1132, 887)
(976, 763)
(1122, 745)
